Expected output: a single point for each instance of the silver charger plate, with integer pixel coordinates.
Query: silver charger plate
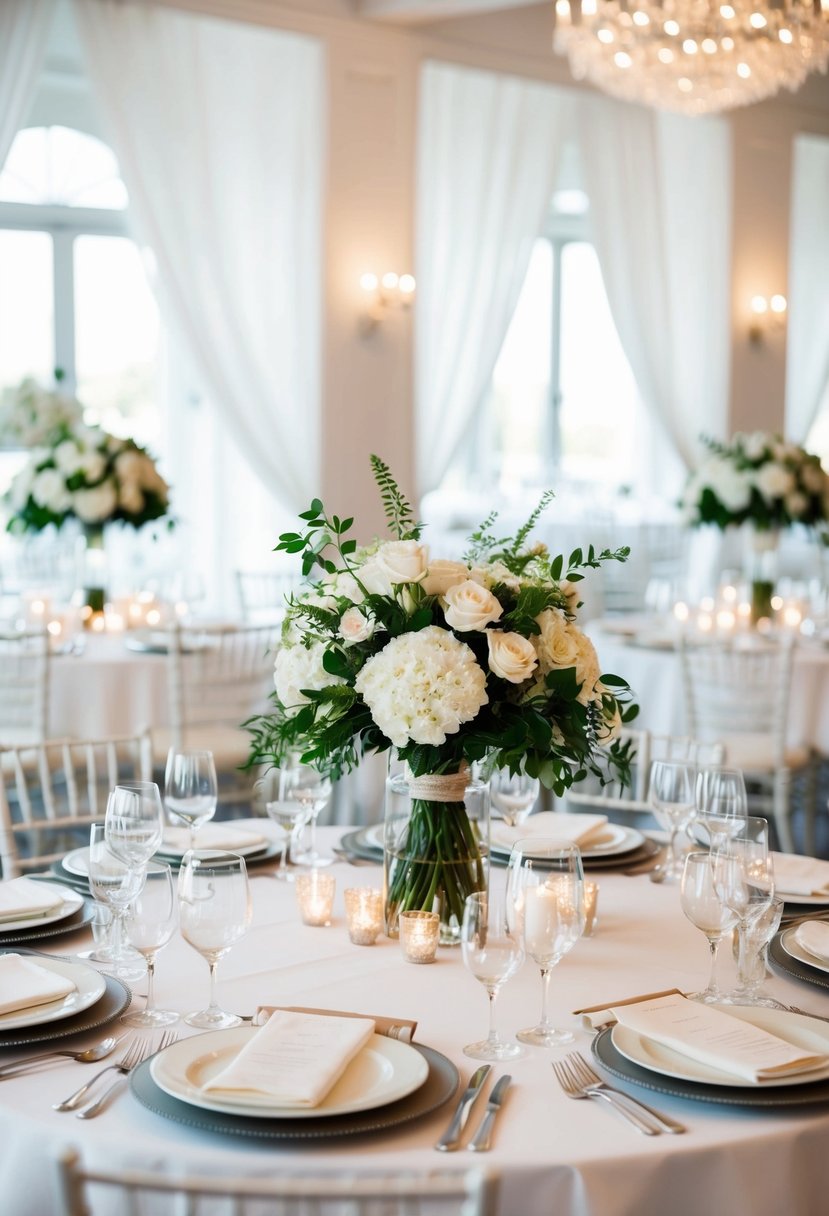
(781, 960)
(440, 1086)
(115, 999)
(71, 924)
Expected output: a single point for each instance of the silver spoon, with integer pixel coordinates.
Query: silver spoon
(88, 1056)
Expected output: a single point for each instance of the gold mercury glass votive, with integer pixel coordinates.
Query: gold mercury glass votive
(315, 897)
(419, 936)
(591, 902)
(364, 914)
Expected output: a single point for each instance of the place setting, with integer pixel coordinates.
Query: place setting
(32, 910)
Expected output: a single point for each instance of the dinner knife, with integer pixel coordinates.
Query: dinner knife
(451, 1138)
(482, 1139)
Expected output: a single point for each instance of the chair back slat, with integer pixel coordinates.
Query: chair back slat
(24, 686)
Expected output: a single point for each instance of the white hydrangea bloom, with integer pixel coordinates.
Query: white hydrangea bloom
(49, 491)
(298, 667)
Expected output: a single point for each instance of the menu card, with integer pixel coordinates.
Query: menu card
(798, 875)
(814, 938)
(715, 1038)
(402, 1029)
(24, 984)
(295, 1059)
(22, 898)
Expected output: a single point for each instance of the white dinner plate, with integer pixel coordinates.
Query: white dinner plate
(383, 1072)
(614, 838)
(71, 902)
(808, 901)
(795, 950)
(176, 841)
(90, 986)
(807, 1033)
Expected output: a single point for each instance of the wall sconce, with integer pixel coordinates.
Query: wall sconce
(380, 294)
(765, 316)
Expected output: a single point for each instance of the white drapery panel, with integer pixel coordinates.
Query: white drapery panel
(488, 155)
(660, 207)
(807, 362)
(218, 130)
(24, 28)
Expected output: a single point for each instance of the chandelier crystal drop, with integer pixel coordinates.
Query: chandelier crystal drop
(694, 56)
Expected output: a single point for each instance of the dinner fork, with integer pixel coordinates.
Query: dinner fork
(590, 1079)
(574, 1089)
(145, 1049)
(130, 1054)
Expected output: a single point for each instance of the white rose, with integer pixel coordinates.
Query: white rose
(92, 465)
(774, 481)
(442, 575)
(21, 487)
(96, 504)
(558, 642)
(355, 626)
(296, 668)
(49, 491)
(796, 504)
(511, 656)
(398, 561)
(732, 486)
(344, 585)
(470, 606)
(755, 444)
(68, 457)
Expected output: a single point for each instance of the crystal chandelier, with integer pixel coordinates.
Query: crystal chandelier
(695, 56)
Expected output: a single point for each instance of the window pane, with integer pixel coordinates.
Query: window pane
(116, 337)
(60, 165)
(27, 326)
(599, 408)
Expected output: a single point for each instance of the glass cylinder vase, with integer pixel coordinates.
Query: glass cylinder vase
(761, 547)
(93, 573)
(435, 847)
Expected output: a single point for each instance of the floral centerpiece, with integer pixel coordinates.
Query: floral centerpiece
(31, 416)
(451, 663)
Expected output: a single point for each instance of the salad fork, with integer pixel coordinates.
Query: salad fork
(590, 1079)
(88, 1056)
(144, 1050)
(131, 1053)
(573, 1088)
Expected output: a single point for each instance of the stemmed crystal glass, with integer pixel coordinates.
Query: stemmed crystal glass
(493, 953)
(215, 913)
(134, 822)
(115, 883)
(292, 818)
(721, 802)
(545, 908)
(512, 796)
(302, 784)
(671, 795)
(150, 922)
(191, 789)
(704, 908)
(744, 880)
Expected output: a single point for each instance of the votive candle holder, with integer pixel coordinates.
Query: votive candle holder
(315, 897)
(591, 907)
(364, 914)
(419, 932)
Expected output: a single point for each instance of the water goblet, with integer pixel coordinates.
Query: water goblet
(311, 790)
(512, 796)
(150, 922)
(215, 913)
(704, 908)
(116, 883)
(721, 802)
(291, 817)
(191, 789)
(758, 937)
(134, 822)
(492, 952)
(545, 907)
(671, 796)
(744, 878)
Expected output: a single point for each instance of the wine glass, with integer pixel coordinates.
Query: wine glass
(311, 790)
(512, 796)
(671, 796)
(191, 790)
(744, 879)
(215, 911)
(758, 936)
(704, 908)
(150, 922)
(116, 883)
(721, 801)
(292, 818)
(134, 822)
(493, 953)
(545, 907)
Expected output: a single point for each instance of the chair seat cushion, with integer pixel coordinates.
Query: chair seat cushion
(230, 746)
(755, 754)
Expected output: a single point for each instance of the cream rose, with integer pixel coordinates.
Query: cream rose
(442, 575)
(470, 606)
(355, 626)
(587, 667)
(398, 561)
(511, 656)
(774, 481)
(558, 643)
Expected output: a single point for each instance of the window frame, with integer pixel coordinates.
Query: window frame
(560, 230)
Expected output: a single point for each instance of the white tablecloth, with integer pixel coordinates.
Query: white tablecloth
(107, 690)
(553, 1155)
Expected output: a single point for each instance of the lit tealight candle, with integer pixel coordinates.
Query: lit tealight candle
(726, 620)
(705, 622)
(707, 603)
(315, 897)
(591, 902)
(681, 612)
(153, 616)
(364, 914)
(792, 616)
(729, 594)
(419, 936)
(97, 622)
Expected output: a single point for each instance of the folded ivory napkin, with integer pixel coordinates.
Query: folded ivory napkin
(211, 836)
(797, 875)
(295, 1059)
(813, 936)
(596, 1017)
(24, 984)
(21, 898)
(574, 829)
(402, 1029)
(712, 1037)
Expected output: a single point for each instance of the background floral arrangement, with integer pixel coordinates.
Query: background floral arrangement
(31, 416)
(758, 478)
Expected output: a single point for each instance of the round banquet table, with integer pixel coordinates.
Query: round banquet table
(553, 1155)
(642, 653)
(106, 689)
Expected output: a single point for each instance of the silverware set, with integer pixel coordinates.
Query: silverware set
(579, 1081)
(88, 1056)
(136, 1053)
(482, 1140)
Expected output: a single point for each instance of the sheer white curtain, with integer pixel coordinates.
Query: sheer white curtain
(488, 154)
(659, 189)
(807, 363)
(24, 28)
(218, 130)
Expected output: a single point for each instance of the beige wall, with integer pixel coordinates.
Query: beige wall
(373, 70)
